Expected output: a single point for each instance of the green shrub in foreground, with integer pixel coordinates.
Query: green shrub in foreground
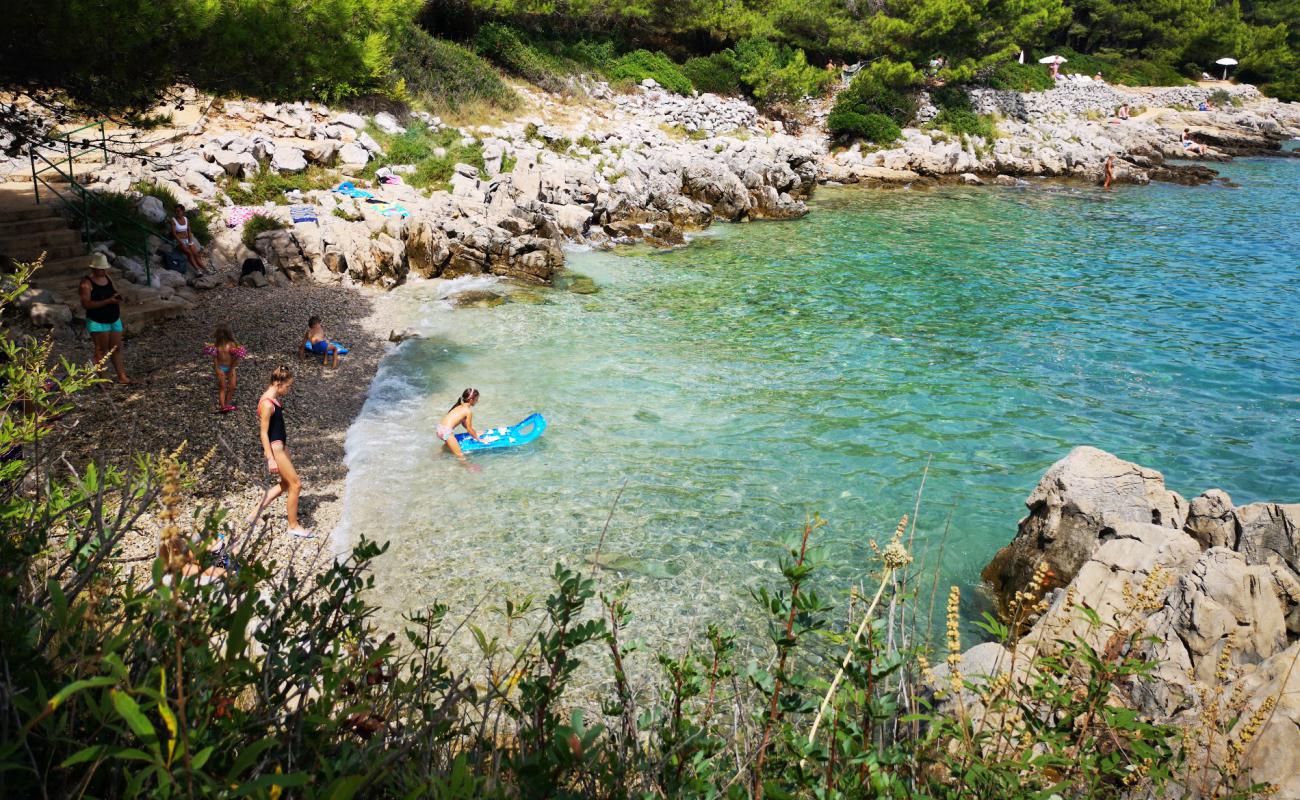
(638, 65)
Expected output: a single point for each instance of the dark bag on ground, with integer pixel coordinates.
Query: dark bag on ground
(175, 260)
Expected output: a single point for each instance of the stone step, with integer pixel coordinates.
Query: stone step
(16, 208)
(72, 267)
(24, 226)
(31, 249)
(22, 241)
(136, 318)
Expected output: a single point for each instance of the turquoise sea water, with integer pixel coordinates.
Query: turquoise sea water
(773, 371)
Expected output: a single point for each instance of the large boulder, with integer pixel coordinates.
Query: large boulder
(1268, 532)
(1078, 504)
(288, 159)
(287, 251)
(236, 162)
(353, 156)
(151, 208)
(427, 248)
(712, 183)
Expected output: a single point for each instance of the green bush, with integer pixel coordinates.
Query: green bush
(443, 74)
(503, 45)
(718, 73)
(776, 74)
(434, 153)
(269, 185)
(883, 88)
(1020, 77)
(257, 225)
(638, 65)
(873, 127)
(965, 122)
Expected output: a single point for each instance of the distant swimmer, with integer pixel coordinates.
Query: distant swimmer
(462, 413)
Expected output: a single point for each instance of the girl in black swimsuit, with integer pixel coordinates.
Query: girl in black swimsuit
(270, 418)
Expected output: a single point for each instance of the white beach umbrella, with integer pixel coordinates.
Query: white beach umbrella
(1226, 62)
(1052, 60)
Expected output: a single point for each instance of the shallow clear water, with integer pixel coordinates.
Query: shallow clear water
(773, 371)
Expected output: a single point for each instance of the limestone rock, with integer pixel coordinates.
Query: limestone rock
(353, 156)
(354, 121)
(1210, 520)
(387, 123)
(151, 208)
(1270, 531)
(288, 159)
(1076, 505)
(712, 183)
(50, 315)
(167, 277)
(236, 163)
(427, 249)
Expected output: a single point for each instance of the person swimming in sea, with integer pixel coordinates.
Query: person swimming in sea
(462, 413)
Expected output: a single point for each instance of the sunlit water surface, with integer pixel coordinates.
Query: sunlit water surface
(774, 371)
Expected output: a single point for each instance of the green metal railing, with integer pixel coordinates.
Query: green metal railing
(92, 215)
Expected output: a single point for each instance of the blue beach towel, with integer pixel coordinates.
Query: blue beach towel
(347, 188)
(303, 213)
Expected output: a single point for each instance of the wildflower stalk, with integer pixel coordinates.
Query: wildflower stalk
(895, 558)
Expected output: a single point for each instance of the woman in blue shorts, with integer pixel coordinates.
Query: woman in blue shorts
(103, 314)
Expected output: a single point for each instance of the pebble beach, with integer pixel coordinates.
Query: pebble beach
(175, 402)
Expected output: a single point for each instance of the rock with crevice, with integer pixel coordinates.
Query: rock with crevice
(1075, 507)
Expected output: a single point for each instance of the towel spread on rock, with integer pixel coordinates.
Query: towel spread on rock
(303, 213)
(347, 189)
(238, 215)
(388, 209)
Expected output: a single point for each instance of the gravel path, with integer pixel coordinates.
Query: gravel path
(176, 402)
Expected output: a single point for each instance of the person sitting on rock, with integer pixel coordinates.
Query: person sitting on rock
(1191, 144)
(185, 241)
(1123, 111)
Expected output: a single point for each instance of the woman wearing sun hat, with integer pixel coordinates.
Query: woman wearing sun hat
(103, 314)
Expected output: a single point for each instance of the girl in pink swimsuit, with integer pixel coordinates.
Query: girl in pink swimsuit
(462, 413)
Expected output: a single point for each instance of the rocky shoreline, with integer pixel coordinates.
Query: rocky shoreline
(1212, 590)
(616, 168)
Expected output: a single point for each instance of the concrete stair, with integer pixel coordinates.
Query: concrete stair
(27, 230)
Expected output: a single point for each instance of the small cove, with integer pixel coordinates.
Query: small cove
(773, 371)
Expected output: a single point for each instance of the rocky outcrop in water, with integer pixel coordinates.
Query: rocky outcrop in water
(1226, 591)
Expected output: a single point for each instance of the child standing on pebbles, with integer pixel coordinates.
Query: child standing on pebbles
(226, 354)
(275, 447)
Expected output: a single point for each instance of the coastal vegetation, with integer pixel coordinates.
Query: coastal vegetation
(125, 60)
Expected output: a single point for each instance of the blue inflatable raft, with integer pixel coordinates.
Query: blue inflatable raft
(500, 438)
